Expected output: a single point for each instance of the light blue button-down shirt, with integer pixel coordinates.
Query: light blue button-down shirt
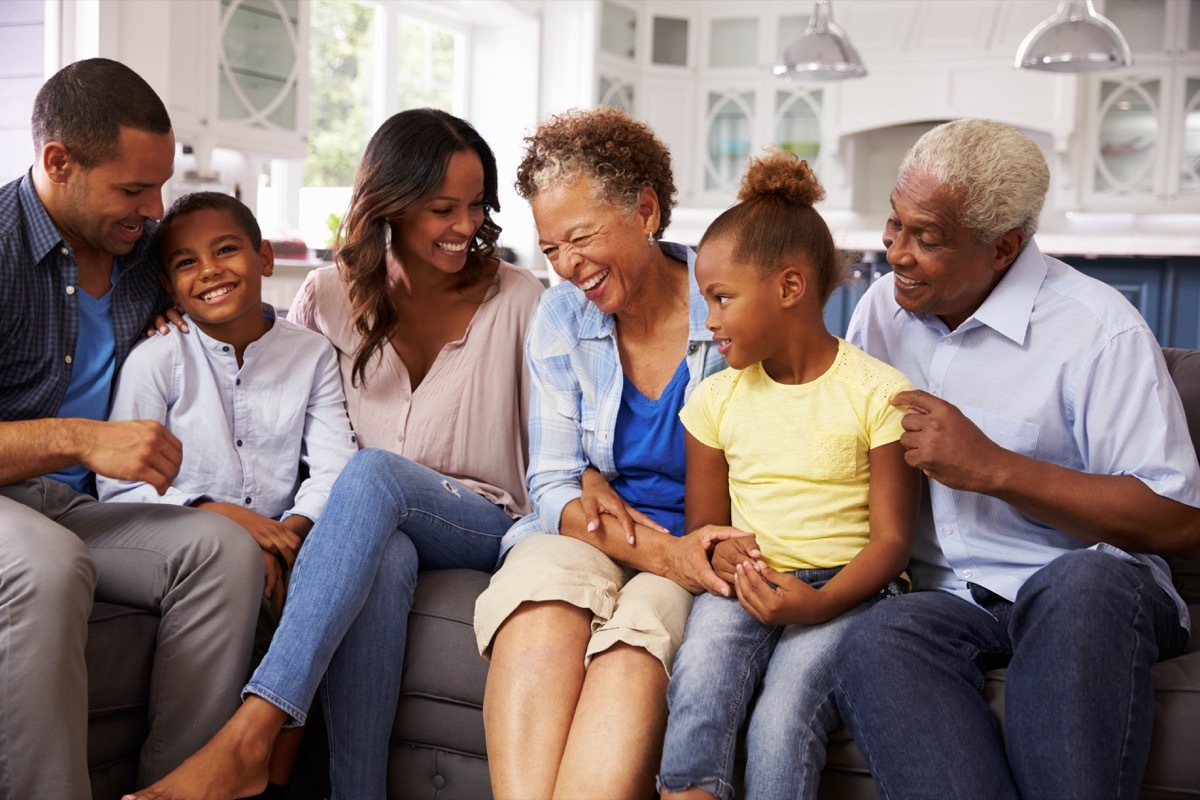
(245, 430)
(576, 380)
(1056, 366)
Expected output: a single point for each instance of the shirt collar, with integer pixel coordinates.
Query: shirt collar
(1008, 308)
(40, 231)
(595, 324)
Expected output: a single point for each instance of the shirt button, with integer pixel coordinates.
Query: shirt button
(70, 290)
(225, 348)
(249, 500)
(948, 530)
(947, 340)
(239, 442)
(68, 359)
(238, 381)
(967, 573)
(353, 439)
(64, 251)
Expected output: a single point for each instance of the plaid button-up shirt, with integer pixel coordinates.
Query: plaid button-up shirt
(576, 380)
(39, 304)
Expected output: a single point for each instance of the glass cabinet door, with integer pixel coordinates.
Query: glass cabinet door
(798, 123)
(1129, 136)
(618, 30)
(729, 122)
(259, 62)
(615, 92)
(733, 42)
(1189, 165)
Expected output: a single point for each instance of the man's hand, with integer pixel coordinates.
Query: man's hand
(729, 553)
(687, 559)
(273, 536)
(600, 498)
(777, 598)
(274, 577)
(137, 450)
(940, 441)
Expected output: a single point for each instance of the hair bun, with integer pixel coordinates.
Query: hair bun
(782, 176)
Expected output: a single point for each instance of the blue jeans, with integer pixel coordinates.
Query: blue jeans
(346, 616)
(726, 656)
(1079, 643)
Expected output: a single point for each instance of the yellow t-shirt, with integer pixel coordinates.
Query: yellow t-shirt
(798, 455)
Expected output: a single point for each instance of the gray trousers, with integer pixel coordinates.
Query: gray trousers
(58, 549)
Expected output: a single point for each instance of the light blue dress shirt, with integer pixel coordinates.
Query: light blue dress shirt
(576, 380)
(1056, 366)
(245, 431)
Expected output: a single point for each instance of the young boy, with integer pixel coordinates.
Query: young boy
(250, 396)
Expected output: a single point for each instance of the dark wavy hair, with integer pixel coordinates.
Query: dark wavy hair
(405, 161)
(205, 201)
(85, 104)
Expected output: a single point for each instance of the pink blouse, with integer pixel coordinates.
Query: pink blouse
(468, 419)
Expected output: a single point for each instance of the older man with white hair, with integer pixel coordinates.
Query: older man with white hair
(1052, 439)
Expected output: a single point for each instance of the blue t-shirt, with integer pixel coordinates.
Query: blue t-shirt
(649, 452)
(92, 368)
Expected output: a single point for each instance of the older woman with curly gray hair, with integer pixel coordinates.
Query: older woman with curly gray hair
(583, 618)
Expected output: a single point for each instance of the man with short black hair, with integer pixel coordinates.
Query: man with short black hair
(78, 287)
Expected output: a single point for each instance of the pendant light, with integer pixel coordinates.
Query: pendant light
(1075, 39)
(823, 53)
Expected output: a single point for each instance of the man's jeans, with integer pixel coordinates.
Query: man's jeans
(1079, 643)
(346, 616)
(726, 656)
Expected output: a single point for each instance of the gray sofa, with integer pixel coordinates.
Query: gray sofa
(437, 750)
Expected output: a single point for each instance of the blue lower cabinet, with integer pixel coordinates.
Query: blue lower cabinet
(1165, 291)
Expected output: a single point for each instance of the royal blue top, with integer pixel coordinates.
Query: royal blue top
(650, 452)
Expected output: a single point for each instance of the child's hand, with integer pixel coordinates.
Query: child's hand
(787, 602)
(272, 536)
(274, 573)
(728, 554)
(687, 559)
(162, 323)
(599, 498)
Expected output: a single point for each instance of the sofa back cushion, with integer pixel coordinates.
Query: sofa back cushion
(1184, 366)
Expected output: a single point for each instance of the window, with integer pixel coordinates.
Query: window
(366, 62)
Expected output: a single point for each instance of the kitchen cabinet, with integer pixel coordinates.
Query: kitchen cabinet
(1143, 139)
(245, 86)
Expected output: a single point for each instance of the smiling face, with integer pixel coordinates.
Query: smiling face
(743, 306)
(214, 273)
(597, 246)
(436, 231)
(939, 266)
(105, 208)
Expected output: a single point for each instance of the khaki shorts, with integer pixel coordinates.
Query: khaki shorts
(640, 609)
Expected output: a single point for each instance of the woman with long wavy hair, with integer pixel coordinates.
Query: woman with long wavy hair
(429, 326)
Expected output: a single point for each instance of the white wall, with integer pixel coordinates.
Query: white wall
(22, 40)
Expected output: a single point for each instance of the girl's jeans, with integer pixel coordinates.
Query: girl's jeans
(346, 616)
(726, 656)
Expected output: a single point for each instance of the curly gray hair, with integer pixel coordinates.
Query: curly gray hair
(999, 174)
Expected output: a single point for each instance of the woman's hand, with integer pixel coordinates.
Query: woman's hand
(687, 559)
(599, 498)
(162, 322)
(274, 576)
(777, 598)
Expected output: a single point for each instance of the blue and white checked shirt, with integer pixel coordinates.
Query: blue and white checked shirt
(39, 304)
(1056, 366)
(576, 380)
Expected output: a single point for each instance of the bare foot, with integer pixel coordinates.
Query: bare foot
(233, 763)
